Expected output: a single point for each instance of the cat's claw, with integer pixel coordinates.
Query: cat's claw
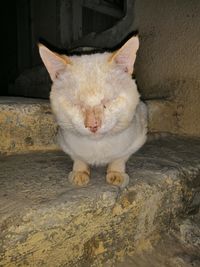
(120, 179)
(79, 178)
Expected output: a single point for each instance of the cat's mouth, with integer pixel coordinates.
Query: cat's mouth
(93, 129)
(98, 132)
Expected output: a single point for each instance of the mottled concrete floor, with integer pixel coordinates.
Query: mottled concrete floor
(45, 221)
(180, 247)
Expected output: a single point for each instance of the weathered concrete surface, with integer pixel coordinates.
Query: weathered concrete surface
(180, 247)
(26, 124)
(45, 221)
(174, 116)
(162, 116)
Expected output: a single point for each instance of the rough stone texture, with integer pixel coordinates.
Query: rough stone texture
(168, 62)
(45, 221)
(26, 124)
(173, 117)
(180, 247)
(162, 116)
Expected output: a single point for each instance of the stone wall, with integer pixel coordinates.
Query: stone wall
(168, 63)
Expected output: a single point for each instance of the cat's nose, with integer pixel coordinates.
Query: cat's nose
(92, 120)
(93, 129)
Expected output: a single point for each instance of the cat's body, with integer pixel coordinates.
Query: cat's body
(97, 106)
(103, 150)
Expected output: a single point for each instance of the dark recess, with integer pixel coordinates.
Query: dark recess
(70, 26)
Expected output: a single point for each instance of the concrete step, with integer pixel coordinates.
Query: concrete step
(28, 125)
(45, 221)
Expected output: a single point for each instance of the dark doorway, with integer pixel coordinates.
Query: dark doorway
(60, 24)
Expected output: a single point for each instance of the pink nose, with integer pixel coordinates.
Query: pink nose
(92, 119)
(93, 129)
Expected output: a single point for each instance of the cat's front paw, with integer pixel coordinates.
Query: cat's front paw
(79, 178)
(120, 179)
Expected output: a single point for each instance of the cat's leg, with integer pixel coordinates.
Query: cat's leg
(116, 174)
(80, 175)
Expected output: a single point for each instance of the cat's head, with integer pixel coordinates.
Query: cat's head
(93, 94)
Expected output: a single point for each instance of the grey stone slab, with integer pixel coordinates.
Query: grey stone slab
(45, 221)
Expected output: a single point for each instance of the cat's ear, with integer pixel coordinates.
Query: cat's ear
(126, 55)
(54, 62)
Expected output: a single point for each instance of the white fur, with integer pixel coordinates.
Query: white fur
(90, 80)
(101, 83)
(99, 151)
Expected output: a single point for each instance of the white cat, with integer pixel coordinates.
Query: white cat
(96, 103)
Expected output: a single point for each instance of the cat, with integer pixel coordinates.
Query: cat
(98, 109)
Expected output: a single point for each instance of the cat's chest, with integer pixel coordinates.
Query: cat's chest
(94, 151)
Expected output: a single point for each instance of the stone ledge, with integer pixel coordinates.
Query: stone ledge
(45, 221)
(26, 125)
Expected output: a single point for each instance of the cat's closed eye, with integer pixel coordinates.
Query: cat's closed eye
(106, 102)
